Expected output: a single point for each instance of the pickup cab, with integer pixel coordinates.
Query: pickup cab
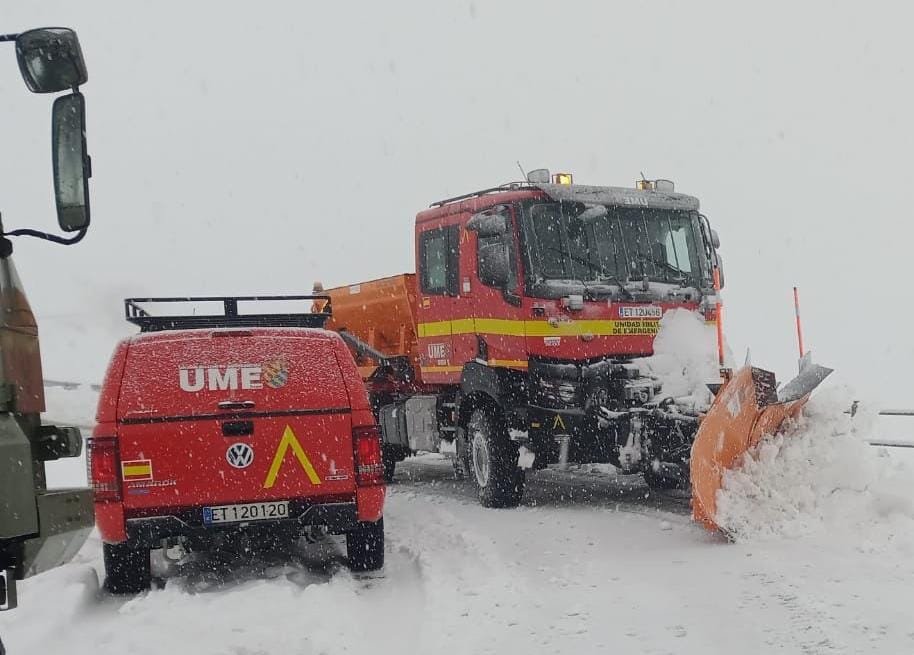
(212, 427)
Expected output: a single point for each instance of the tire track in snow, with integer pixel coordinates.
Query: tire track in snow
(472, 595)
(434, 475)
(308, 605)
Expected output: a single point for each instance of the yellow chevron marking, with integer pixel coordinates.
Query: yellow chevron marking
(289, 441)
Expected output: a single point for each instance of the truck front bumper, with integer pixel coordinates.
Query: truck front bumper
(572, 431)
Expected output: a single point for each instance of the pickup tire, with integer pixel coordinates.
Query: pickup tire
(126, 569)
(492, 461)
(365, 547)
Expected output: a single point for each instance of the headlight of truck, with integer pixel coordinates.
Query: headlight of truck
(559, 393)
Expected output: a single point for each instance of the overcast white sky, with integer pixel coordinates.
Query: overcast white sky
(257, 148)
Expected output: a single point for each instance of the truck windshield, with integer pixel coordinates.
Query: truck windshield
(627, 243)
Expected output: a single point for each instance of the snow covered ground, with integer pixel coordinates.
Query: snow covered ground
(590, 563)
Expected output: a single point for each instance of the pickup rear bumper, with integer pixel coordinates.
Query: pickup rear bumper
(148, 531)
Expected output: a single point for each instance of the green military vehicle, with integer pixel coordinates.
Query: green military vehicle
(40, 528)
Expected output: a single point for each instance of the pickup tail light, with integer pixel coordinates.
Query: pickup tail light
(104, 468)
(369, 462)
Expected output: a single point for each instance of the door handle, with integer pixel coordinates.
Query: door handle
(236, 404)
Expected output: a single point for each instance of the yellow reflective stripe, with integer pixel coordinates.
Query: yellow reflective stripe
(501, 326)
(575, 328)
(441, 369)
(436, 329)
(464, 326)
(520, 328)
(516, 363)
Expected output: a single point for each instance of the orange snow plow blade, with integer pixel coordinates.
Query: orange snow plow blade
(747, 407)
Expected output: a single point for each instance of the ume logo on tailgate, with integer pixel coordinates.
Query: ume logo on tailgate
(231, 377)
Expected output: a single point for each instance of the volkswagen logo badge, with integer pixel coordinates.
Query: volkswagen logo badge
(239, 455)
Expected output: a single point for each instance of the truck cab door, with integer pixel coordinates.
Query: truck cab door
(438, 264)
(496, 294)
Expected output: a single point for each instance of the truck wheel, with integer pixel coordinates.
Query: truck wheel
(365, 547)
(126, 569)
(492, 461)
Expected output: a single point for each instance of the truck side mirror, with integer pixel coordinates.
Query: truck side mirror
(494, 264)
(715, 240)
(51, 60)
(72, 167)
(492, 222)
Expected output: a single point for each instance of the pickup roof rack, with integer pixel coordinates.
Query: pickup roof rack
(229, 317)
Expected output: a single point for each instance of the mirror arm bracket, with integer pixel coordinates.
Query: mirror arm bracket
(25, 232)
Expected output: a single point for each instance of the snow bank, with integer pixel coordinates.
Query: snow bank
(685, 356)
(821, 478)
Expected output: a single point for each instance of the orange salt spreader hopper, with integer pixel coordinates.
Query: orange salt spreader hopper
(747, 407)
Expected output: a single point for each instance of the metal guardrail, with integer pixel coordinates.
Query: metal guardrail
(70, 386)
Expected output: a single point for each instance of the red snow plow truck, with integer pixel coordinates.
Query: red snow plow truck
(518, 342)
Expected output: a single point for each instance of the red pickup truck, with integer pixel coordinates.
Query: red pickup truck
(216, 425)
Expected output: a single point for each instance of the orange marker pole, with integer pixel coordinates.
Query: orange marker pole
(720, 318)
(796, 306)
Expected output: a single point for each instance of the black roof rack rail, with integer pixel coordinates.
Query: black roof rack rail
(510, 186)
(136, 314)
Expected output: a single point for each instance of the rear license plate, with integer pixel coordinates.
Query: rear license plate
(278, 509)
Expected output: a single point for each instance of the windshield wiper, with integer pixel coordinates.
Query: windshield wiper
(622, 288)
(668, 266)
(596, 268)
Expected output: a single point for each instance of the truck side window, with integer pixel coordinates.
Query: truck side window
(438, 261)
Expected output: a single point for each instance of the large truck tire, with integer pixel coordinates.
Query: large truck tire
(365, 547)
(127, 569)
(492, 461)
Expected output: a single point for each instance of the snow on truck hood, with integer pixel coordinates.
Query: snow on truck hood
(611, 195)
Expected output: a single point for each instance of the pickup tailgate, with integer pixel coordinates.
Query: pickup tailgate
(219, 417)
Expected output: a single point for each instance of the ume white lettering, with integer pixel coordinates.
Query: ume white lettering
(220, 378)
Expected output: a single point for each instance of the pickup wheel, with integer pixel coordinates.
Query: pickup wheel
(492, 461)
(126, 569)
(365, 546)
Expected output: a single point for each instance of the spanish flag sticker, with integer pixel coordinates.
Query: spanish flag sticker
(136, 469)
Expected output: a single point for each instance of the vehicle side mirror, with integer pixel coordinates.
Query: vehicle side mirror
(492, 222)
(715, 240)
(494, 264)
(72, 167)
(51, 60)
